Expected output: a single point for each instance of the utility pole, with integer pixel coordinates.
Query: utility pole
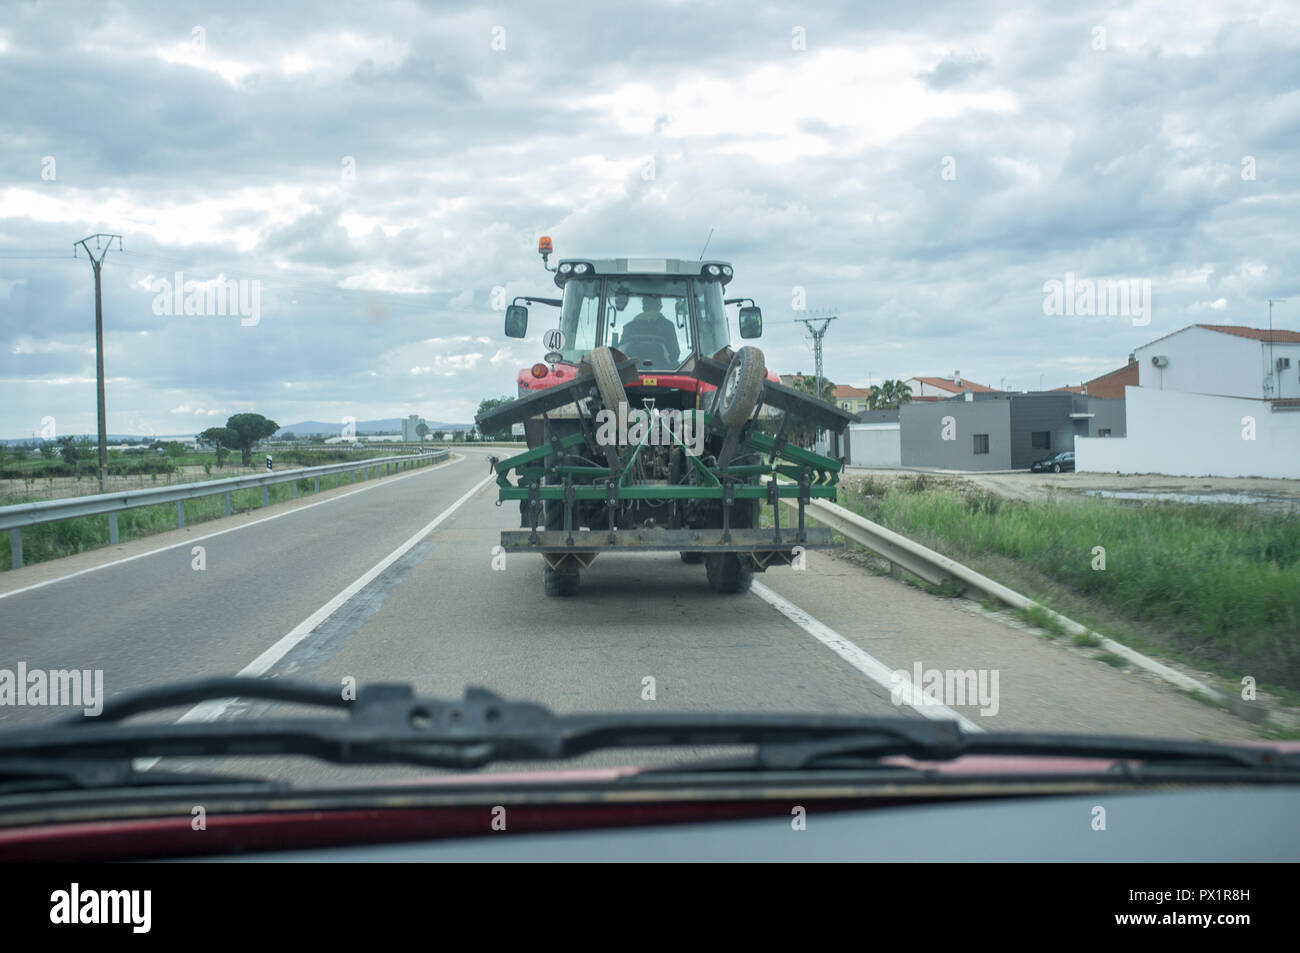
(817, 334)
(99, 340)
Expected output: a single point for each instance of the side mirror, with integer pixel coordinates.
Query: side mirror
(516, 321)
(751, 322)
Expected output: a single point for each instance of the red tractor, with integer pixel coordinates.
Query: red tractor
(648, 432)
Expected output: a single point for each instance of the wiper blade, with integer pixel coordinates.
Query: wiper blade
(389, 724)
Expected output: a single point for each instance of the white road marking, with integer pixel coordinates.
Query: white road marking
(213, 709)
(867, 664)
(389, 481)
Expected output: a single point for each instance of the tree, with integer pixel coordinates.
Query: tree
(249, 429)
(223, 438)
(889, 395)
(440, 435)
(288, 436)
(69, 450)
(492, 403)
(174, 449)
(809, 386)
(48, 450)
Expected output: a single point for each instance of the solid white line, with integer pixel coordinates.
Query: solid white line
(374, 485)
(867, 664)
(211, 710)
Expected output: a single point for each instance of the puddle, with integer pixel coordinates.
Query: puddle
(1247, 499)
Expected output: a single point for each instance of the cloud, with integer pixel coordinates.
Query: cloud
(381, 178)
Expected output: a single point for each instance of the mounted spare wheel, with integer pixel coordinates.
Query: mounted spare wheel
(604, 367)
(608, 384)
(740, 390)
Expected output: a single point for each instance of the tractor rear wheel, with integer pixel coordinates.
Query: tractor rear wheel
(726, 574)
(559, 583)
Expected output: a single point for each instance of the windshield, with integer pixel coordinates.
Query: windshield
(648, 319)
(264, 426)
(579, 317)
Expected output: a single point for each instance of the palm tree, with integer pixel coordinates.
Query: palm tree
(889, 395)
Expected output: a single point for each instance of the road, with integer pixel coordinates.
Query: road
(393, 581)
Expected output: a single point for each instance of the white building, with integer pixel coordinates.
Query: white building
(1211, 400)
(410, 428)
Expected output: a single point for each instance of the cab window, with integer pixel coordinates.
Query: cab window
(648, 319)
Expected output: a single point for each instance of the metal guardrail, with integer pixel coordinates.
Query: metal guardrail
(17, 516)
(938, 569)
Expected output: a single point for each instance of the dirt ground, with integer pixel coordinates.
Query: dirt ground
(1275, 495)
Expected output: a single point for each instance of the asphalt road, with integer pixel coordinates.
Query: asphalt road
(361, 585)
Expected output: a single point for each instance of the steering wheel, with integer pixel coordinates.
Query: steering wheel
(644, 347)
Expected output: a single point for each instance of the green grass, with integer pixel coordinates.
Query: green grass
(1040, 618)
(1215, 584)
(1111, 659)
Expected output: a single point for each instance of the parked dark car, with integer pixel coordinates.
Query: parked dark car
(1056, 463)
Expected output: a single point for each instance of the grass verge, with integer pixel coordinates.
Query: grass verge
(1215, 585)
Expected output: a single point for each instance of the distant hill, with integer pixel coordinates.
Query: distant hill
(390, 425)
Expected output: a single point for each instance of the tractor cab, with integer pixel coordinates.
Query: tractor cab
(658, 312)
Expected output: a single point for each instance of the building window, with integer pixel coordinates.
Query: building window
(1041, 439)
(1103, 432)
(981, 443)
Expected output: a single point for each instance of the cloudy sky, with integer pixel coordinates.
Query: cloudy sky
(379, 169)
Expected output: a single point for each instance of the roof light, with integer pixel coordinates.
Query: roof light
(714, 270)
(581, 268)
(539, 370)
(566, 268)
(544, 245)
(726, 270)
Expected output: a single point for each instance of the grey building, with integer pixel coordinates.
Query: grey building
(1001, 431)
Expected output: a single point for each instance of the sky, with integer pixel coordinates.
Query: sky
(378, 175)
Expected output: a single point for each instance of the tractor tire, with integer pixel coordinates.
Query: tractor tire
(608, 383)
(726, 575)
(741, 388)
(692, 559)
(559, 583)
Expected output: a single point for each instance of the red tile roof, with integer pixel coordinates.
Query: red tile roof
(952, 387)
(1113, 384)
(1279, 336)
(845, 391)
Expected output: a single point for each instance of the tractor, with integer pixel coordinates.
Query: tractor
(647, 432)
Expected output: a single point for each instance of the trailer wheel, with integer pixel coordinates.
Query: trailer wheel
(692, 559)
(559, 583)
(726, 575)
(740, 390)
(607, 380)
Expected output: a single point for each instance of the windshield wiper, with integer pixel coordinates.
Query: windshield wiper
(389, 724)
